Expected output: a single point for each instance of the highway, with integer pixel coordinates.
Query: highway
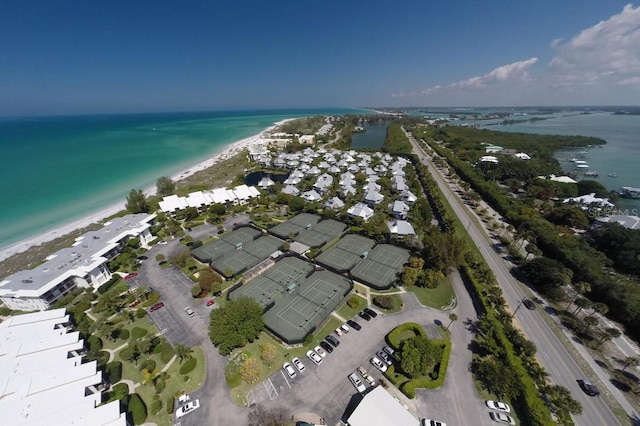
(552, 355)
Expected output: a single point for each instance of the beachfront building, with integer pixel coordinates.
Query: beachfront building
(44, 380)
(202, 199)
(84, 264)
(589, 200)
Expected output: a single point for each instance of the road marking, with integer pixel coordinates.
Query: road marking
(285, 379)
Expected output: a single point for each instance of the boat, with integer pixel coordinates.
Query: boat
(592, 174)
(613, 174)
(629, 192)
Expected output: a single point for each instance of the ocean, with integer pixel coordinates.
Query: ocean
(620, 155)
(55, 170)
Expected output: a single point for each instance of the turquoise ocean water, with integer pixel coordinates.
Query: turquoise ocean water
(54, 170)
(620, 155)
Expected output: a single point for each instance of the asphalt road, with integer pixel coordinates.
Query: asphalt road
(553, 356)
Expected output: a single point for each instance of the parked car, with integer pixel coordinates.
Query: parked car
(499, 406)
(156, 306)
(338, 331)
(502, 418)
(189, 311)
(370, 312)
(289, 370)
(162, 242)
(362, 371)
(365, 316)
(356, 382)
(378, 364)
(354, 325)
(388, 350)
(528, 304)
(429, 422)
(299, 365)
(327, 347)
(385, 357)
(320, 351)
(335, 342)
(187, 408)
(210, 302)
(313, 356)
(184, 398)
(589, 388)
(131, 275)
(369, 379)
(344, 328)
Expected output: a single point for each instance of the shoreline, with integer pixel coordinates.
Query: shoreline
(228, 151)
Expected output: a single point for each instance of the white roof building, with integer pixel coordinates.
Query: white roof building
(360, 210)
(408, 196)
(380, 408)
(291, 190)
(401, 228)
(522, 156)
(84, 264)
(629, 222)
(488, 159)
(334, 203)
(43, 380)
(311, 196)
(306, 139)
(172, 203)
(399, 209)
(561, 179)
(373, 197)
(266, 182)
(589, 200)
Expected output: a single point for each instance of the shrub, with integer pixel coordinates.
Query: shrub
(156, 406)
(106, 286)
(188, 366)
(137, 408)
(149, 365)
(123, 334)
(354, 301)
(95, 343)
(308, 339)
(102, 357)
(138, 332)
(384, 302)
(159, 257)
(119, 392)
(196, 291)
(114, 371)
(141, 313)
(170, 404)
(196, 244)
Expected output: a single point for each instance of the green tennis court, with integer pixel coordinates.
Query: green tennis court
(390, 255)
(309, 229)
(338, 259)
(212, 251)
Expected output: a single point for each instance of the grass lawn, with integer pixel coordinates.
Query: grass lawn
(347, 312)
(434, 297)
(175, 385)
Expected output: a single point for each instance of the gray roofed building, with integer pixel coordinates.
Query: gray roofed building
(408, 196)
(334, 203)
(380, 408)
(401, 228)
(629, 222)
(399, 209)
(311, 196)
(290, 190)
(373, 197)
(266, 182)
(360, 210)
(347, 190)
(84, 264)
(372, 186)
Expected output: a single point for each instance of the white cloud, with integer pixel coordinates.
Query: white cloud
(600, 65)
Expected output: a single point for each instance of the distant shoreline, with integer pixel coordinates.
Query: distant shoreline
(95, 217)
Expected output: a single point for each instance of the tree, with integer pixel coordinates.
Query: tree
(249, 370)
(562, 401)
(196, 291)
(262, 416)
(268, 354)
(453, 317)
(581, 288)
(409, 276)
(418, 355)
(599, 308)
(183, 352)
(165, 186)
(589, 323)
(582, 303)
(547, 275)
(491, 374)
(609, 333)
(235, 324)
(210, 281)
(137, 202)
(179, 260)
(631, 361)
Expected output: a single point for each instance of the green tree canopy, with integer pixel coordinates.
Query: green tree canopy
(547, 275)
(235, 324)
(165, 186)
(137, 202)
(418, 356)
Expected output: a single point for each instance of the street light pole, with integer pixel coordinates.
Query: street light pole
(517, 307)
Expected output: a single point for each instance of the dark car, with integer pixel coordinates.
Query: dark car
(327, 347)
(588, 388)
(156, 306)
(354, 325)
(335, 342)
(371, 312)
(364, 316)
(528, 304)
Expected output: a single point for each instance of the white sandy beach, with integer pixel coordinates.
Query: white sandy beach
(229, 151)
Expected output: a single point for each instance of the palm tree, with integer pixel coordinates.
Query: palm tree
(631, 361)
(580, 288)
(183, 352)
(600, 308)
(453, 317)
(589, 323)
(582, 303)
(609, 333)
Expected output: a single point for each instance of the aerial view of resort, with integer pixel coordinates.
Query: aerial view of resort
(292, 214)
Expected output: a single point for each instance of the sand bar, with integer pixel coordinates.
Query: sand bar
(228, 152)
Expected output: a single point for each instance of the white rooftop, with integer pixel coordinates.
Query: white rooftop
(379, 408)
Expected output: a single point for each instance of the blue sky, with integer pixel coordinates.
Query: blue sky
(93, 57)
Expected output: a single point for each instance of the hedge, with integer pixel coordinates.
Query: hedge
(94, 343)
(108, 285)
(170, 404)
(123, 334)
(119, 392)
(188, 366)
(102, 358)
(149, 365)
(138, 332)
(114, 372)
(137, 409)
(393, 337)
(409, 388)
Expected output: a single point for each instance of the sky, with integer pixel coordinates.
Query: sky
(79, 57)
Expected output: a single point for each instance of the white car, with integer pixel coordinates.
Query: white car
(502, 418)
(289, 370)
(320, 351)
(338, 331)
(299, 365)
(184, 398)
(187, 408)
(317, 359)
(369, 379)
(162, 243)
(428, 422)
(378, 364)
(499, 406)
(356, 382)
(345, 328)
